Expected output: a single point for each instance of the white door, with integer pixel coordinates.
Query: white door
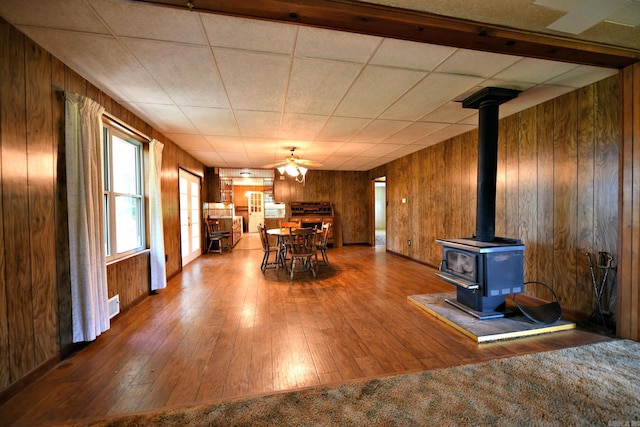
(256, 210)
(189, 216)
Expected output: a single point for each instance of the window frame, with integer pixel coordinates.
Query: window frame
(111, 129)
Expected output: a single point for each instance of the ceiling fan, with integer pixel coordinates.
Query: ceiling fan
(294, 166)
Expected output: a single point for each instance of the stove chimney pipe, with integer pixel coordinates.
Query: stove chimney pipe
(487, 101)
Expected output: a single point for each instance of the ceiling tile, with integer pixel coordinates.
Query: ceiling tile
(475, 63)
(254, 81)
(258, 123)
(532, 97)
(451, 112)
(379, 130)
(375, 89)
(444, 134)
(582, 75)
(166, 117)
(301, 126)
(190, 142)
(534, 70)
(432, 92)
(406, 54)
(338, 45)
(414, 132)
(209, 158)
(353, 149)
(53, 14)
(317, 86)
(104, 61)
(187, 73)
(127, 19)
(212, 121)
(258, 35)
(341, 128)
(381, 150)
(226, 143)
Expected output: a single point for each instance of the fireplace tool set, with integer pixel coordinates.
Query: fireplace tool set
(603, 315)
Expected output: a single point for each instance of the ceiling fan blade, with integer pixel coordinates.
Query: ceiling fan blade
(309, 163)
(275, 165)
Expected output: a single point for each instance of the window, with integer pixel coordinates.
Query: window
(123, 193)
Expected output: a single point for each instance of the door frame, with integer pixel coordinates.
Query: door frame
(195, 252)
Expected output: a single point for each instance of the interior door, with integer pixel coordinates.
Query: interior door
(190, 223)
(256, 210)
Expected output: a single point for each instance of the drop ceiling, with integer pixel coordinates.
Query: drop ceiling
(238, 92)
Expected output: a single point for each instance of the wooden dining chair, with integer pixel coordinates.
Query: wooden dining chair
(324, 242)
(290, 224)
(267, 249)
(302, 247)
(214, 234)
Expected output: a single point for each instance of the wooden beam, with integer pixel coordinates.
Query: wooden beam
(384, 21)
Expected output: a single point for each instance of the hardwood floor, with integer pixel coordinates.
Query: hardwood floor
(223, 330)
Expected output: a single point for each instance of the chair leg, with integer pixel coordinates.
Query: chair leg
(324, 256)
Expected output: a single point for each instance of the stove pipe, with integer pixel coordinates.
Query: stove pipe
(487, 102)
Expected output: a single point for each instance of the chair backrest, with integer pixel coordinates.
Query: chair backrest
(302, 241)
(264, 237)
(213, 225)
(290, 224)
(324, 239)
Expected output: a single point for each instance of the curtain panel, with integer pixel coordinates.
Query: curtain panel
(89, 294)
(156, 229)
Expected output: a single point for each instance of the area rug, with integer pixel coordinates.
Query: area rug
(592, 385)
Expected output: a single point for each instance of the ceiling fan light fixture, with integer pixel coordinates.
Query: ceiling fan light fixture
(292, 170)
(282, 170)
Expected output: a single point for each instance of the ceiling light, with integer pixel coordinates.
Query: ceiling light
(245, 174)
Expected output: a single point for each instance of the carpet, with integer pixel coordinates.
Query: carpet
(591, 385)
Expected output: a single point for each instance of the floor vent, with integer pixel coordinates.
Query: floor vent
(114, 306)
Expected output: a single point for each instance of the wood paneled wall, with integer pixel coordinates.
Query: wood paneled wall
(557, 190)
(348, 193)
(628, 319)
(35, 308)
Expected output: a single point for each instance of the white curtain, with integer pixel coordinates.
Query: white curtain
(157, 261)
(89, 296)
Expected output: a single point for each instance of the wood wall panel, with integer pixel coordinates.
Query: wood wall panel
(41, 175)
(35, 293)
(628, 284)
(545, 197)
(15, 204)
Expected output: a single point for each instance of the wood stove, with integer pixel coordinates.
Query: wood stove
(484, 268)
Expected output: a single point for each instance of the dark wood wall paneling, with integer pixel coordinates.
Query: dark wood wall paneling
(556, 190)
(35, 296)
(628, 319)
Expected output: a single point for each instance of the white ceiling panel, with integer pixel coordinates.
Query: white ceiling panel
(257, 35)
(338, 45)
(301, 126)
(379, 130)
(186, 72)
(168, 118)
(474, 63)
(226, 143)
(127, 19)
(375, 89)
(212, 121)
(445, 133)
(72, 15)
(190, 142)
(432, 92)
(451, 112)
(581, 76)
(316, 86)
(414, 132)
(378, 150)
(258, 123)
(532, 70)
(405, 54)
(341, 128)
(254, 80)
(353, 149)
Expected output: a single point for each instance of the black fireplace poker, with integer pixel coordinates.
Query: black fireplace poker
(487, 101)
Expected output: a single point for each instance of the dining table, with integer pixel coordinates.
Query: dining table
(281, 234)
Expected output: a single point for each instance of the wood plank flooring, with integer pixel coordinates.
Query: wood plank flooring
(224, 330)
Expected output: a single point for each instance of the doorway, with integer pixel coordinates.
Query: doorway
(256, 209)
(190, 224)
(380, 211)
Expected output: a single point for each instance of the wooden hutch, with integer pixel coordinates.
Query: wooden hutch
(312, 214)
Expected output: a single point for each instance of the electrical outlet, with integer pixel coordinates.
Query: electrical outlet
(409, 242)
